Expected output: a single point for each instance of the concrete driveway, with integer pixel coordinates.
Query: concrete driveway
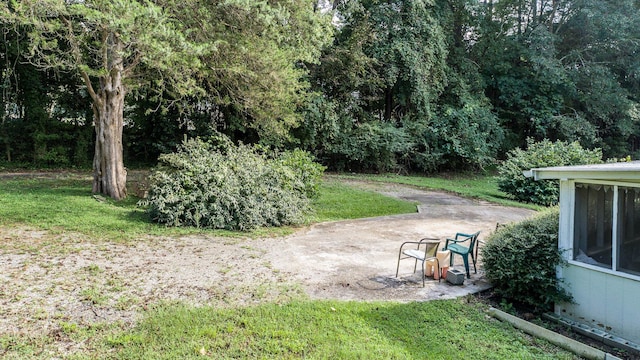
(356, 260)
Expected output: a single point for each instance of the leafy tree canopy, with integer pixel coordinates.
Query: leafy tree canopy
(180, 50)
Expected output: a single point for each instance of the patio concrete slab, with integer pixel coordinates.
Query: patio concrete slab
(356, 260)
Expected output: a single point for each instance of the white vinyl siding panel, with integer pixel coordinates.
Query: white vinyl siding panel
(603, 301)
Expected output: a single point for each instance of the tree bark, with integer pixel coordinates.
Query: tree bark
(109, 173)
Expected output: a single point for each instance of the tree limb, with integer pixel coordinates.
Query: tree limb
(129, 68)
(90, 90)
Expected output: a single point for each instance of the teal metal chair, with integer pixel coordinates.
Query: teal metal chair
(427, 252)
(464, 245)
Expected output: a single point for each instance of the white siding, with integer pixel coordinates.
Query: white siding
(603, 301)
(565, 236)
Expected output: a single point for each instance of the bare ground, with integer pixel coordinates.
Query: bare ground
(48, 279)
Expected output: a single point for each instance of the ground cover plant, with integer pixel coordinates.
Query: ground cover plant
(442, 329)
(63, 203)
(329, 329)
(338, 201)
(66, 205)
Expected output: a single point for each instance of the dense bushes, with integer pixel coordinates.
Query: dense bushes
(231, 187)
(541, 154)
(350, 139)
(520, 261)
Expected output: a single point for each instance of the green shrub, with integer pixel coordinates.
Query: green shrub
(541, 154)
(520, 261)
(349, 138)
(231, 187)
(344, 144)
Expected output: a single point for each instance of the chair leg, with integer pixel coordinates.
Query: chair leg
(423, 274)
(398, 267)
(466, 265)
(474, 260)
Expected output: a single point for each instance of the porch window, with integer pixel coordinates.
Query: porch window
(593, 224)
(629, 230)
(604, 237)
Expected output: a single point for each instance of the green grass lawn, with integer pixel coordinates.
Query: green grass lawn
(482, 187)
(328, 330)
(64, 205)
(338, 201)
(441, 329)
(450, 329)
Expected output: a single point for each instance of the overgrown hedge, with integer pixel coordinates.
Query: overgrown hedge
(231, 187)
(520, 261)
(541, 154)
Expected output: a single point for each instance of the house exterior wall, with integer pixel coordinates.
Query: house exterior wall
(603, 300)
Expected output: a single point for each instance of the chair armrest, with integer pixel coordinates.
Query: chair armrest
(421, 242)
(467, 238)
(446, 243)
(410, 242)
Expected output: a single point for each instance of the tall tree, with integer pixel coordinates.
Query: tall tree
(106, 42)
(206, 57)
(257, 76)
(400, 92)
(563, 69)
(385, 69)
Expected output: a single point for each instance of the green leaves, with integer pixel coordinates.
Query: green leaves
(255, 74)
(400, 93)
(541, 154)
(520, 261)
(235, 52)
(104, 39)
(231, 187)
(535, 58)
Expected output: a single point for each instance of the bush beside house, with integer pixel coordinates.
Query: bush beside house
(520, 261)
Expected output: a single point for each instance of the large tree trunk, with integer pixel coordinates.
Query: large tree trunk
(109, 174)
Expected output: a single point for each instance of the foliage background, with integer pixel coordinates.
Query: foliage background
(541, 154)
(364, 85)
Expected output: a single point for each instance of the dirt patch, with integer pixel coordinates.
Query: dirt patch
(48, 279)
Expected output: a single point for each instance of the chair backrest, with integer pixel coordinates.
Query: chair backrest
(473, 243)
(432, 246)
(473, 246)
